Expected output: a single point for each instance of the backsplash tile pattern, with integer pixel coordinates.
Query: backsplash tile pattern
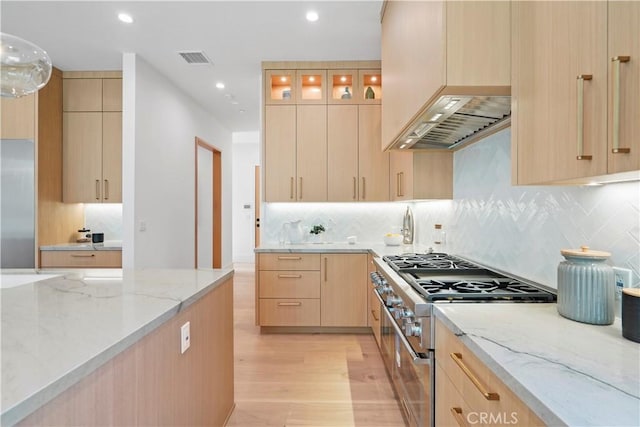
(522, 229)
(104, 218)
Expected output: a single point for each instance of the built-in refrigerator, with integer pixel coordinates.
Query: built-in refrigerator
(17, 203)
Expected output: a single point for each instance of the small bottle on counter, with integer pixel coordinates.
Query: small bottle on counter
(439, 238)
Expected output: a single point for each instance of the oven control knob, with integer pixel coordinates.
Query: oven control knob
(399, 313)
(393, 300)
(412, 329)
(385, 289)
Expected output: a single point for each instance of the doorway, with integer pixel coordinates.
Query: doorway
(208, 209)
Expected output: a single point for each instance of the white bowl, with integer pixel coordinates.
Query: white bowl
(393, 239)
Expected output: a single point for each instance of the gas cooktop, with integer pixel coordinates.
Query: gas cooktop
(444, 277)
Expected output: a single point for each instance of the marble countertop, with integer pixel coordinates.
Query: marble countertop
(569, 373)
(58, 330)
(106, 246)
(378, 249)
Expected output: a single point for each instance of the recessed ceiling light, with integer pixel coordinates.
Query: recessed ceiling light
(220, 85)
(240, 111)
(234, 102)
(125, 17)
(312, 16)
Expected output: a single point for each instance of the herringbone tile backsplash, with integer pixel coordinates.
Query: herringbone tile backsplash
(517, 229)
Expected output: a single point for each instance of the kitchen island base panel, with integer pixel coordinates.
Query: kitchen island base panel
(315, 330)
(152, 383)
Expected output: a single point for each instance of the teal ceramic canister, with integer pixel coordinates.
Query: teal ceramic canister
(586, 287)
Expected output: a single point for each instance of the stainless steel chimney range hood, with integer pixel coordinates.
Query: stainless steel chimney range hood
(459, 115)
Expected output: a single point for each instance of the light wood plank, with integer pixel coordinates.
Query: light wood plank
(289, 261)
(342, 148)
(280, 184)
(112, 157)
(112, 95)
(433, 175)
(18, 117)
(344, 290)
(82, 95)
(82, 157)
(289, 312)
(289, 284)
(311, 153)
(373, 163)
(72, 259)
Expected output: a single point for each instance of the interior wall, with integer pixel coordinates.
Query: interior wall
(160, 125)
(246, 155)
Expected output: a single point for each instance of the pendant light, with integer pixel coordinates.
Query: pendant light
(24, 67)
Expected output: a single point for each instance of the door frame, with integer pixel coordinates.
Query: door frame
(217, 203)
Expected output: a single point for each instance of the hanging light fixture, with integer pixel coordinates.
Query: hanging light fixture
(24, 67)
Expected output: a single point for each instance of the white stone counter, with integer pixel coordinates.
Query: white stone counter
(377, 249)
(58, 330)
(569, 373)
(106, 246)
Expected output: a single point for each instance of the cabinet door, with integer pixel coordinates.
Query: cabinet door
(624, 99)
(82, 95)
(82, 157)
(553, 44)
(112, 157)
(280, 153)
(373, 162)
(342, 153)
(433, 175)
(112, 95)
(343, 290)
(280, 87)
(413, 60)
(311, 153)
(18, 117)
(401, 175)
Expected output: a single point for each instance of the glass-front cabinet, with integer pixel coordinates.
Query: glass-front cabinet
(370, 90)
(343, 85)
(280, 87)
(311, 86)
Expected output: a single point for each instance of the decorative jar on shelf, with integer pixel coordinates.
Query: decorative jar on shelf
(586, 288)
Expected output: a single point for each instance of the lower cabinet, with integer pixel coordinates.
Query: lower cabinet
(81, 259)
(296, 289)
(468, 393)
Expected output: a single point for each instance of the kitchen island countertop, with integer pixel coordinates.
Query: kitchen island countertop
(568, 373)
(58, 330)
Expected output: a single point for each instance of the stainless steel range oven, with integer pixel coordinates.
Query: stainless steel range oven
(408, 285)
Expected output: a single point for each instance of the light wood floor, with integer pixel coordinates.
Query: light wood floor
(305, 380)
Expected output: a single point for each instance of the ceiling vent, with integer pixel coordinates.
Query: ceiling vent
(194, 57)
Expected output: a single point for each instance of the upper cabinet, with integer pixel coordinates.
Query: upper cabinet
(322, 132)
(18, 117)
(421, 175)
(92, 137)
(433, 49)
(575, 91)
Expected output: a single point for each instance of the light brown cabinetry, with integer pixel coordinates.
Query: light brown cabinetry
(466, 389)
(358, 169)
(18, 117)
(92, 139)
(297, 289)
(343, 290)
(80, 259)
(374, 304)
(435, 48)
(574, 91)
(312, 150)
(421, 175)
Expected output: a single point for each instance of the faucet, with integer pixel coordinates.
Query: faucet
(407, 227)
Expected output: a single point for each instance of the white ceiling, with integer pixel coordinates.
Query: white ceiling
(236, 36)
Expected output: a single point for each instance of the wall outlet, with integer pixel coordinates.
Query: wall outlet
(622, 278)
(185, 337)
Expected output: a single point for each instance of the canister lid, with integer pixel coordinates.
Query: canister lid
(585, 252)
(633, 292)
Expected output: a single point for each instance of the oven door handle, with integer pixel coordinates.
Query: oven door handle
(414, 356)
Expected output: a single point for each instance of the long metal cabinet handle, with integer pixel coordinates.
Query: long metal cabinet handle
(373, 313)
(615, 149)
(401, 184)
(291, 196)
(106, 189)
(289, 276)
(83, 255)
(355, 186)
(325, 269)
(290, 258)
(300, 189)
(580, 118)
(364, 188)
(457, 414)
(457, 357)
(97, 189)
(289, 304)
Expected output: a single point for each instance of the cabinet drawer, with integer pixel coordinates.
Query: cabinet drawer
(103, 259)
(290, 312)
(289, 284)
(374, 315)
(501, 402)
(287, 261)
(451, 409)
